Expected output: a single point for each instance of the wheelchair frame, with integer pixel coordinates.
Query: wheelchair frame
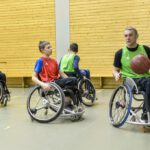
(53, 101)
(120, 108)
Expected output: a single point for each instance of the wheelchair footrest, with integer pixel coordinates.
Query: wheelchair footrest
(142, 123)
(68, 113)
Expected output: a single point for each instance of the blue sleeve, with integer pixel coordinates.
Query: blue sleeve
(76, 66)
(76, 62)
(38, 65)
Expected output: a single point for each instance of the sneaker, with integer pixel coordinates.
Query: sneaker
(69, 107)
(144, 117)
(80, 110)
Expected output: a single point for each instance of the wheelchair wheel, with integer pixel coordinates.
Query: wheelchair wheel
(45, 106)
(87, 91)
(1, 92)
(120, 105)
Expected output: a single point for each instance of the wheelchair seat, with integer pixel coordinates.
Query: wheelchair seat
(133, 86)
(136, 90)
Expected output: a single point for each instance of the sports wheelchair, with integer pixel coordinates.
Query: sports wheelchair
(46, 106)
(121, 109)
(87, 91)
(4, 93)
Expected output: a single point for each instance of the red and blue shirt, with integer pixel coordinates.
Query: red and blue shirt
(47, 69)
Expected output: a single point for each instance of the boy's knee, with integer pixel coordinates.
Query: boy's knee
(74, 80)
(87, 73)
(87, 70)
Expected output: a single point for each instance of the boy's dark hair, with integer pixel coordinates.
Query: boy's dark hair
(74, 47)
(42, 44)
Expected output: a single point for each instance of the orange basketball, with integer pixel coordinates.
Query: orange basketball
(140, 64)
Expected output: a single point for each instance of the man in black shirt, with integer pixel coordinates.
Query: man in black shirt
(121, 66)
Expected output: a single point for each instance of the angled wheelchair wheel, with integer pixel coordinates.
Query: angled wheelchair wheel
(120, 105)
(87, 91)
(1, 92)
(45, 106)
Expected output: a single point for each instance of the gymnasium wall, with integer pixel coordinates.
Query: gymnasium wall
(98, 25)
(23, 24)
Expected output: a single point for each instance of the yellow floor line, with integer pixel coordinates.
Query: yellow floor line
(16, 96)
(99, 91)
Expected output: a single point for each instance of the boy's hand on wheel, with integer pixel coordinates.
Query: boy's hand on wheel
(46, 86)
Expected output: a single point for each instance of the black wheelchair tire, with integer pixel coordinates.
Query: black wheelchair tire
(1, 92)
(90, 102)
(56, 115)
(123, 120)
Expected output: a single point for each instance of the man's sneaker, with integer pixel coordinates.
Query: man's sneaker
(144, 117)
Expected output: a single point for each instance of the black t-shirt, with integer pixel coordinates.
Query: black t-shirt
(118, 55)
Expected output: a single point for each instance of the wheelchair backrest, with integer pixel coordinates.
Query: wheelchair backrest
(131, 83)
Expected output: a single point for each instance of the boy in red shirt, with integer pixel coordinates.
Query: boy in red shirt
(46, 70)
